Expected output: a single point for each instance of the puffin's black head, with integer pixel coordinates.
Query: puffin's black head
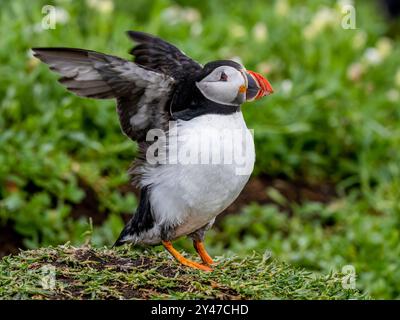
(220, 87)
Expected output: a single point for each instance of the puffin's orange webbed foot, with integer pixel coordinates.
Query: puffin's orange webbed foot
(189, 263)
(201, 250)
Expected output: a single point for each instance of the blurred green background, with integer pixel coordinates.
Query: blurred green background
(325, 191)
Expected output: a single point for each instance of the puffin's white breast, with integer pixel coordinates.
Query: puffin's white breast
(210, 159)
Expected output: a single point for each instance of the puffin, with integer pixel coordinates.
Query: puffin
(195, 151)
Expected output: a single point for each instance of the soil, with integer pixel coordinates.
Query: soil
(86, 257)
(254, 192)
(10, 240)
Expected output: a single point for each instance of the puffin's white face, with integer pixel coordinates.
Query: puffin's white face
(224, 85)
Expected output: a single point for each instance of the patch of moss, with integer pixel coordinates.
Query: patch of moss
(126, 273)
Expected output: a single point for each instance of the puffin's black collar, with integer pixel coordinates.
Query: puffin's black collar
(210, 108)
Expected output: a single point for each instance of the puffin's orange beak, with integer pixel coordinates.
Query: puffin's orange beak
(257, 86)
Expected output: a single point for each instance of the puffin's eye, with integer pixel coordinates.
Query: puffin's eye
(223, 77)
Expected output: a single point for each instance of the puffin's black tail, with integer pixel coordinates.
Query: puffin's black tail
(123, 235)
(142, 220)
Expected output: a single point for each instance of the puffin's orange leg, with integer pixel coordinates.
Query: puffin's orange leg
(201, 250)
(182, 259)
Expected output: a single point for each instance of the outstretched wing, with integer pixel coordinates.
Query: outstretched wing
(157, 54)
(141, 93)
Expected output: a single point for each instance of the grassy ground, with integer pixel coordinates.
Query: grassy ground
(99, 273)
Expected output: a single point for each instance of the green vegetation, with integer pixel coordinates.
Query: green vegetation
(88, 273)
(334, 119)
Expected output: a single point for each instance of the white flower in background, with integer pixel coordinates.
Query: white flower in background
(62, 15)
(171, 15)
(359, 40)
(384, 47)
(397, 78)
(342, 3)
(286, 86)
(355, 71)
(191, 15)
(237, 59)
(260, 32)
(282, 8)
(196, 29)
(102, 6)
(176, 14)
(238, 31)
(324, 18)
(393, 95)
(372, 56)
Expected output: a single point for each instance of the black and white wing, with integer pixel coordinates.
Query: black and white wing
(157, 54)
(141, 93)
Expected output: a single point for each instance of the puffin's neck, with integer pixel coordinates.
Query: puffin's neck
(205, 108)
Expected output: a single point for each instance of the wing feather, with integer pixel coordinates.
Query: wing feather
(141, 94)
(157, 54)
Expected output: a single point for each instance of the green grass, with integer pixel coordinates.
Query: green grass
(333, 119)
(100, 273)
